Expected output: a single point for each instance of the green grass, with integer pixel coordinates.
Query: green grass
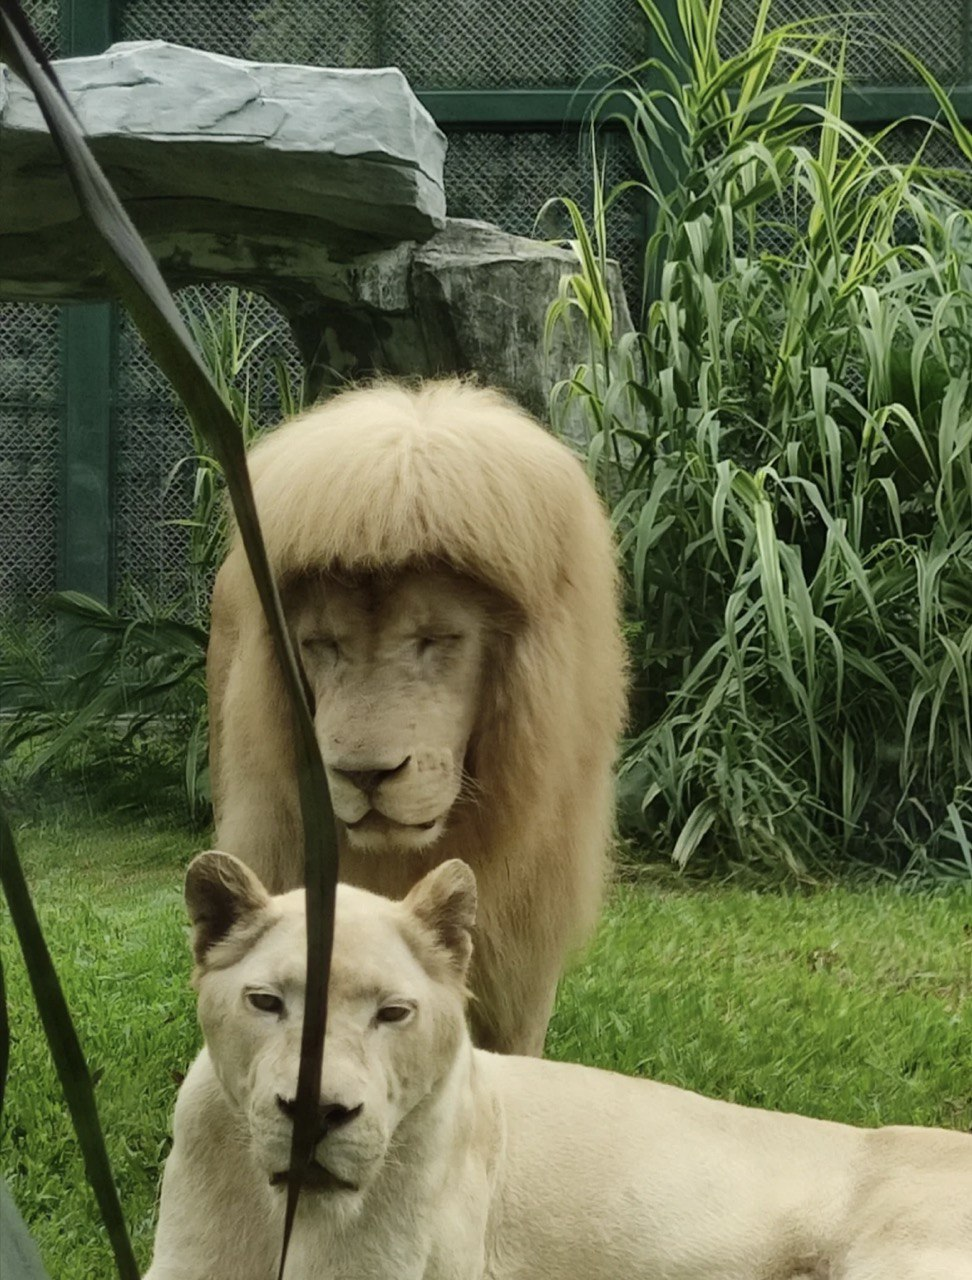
(851, 1003)
(109, 902)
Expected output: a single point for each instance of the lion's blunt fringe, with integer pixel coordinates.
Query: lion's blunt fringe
(450, 473)
(384, 478)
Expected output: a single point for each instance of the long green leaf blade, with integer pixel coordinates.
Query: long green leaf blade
(139, 283)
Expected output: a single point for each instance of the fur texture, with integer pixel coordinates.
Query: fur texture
(387, 481)
(436, 1161)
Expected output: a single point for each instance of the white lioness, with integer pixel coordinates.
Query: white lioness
(438, 1161)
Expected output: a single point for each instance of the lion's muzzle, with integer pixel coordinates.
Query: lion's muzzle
(401, 805)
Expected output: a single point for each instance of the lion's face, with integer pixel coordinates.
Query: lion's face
(395, 667)
(395, 1013)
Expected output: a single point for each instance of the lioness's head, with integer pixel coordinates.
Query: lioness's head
(395, 1028)
(395, 665)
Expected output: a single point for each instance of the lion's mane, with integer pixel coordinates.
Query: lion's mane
(386, 477)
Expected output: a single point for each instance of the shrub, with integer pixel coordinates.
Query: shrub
(113, 714)
(786, 445)
(117, 708)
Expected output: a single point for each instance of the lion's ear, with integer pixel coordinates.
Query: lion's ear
(444, 901)
(220, 892)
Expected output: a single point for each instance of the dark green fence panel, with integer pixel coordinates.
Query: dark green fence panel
(938, 33)
(31, 405)
(501, 78)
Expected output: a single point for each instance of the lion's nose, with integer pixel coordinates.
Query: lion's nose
(368, 780)
(330, 1115)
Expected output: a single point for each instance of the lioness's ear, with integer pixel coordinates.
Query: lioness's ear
(220, 891)
(445, 903)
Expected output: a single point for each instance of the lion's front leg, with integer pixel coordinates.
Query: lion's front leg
(515, 999)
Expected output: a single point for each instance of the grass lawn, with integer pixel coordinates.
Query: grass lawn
(847, 1002)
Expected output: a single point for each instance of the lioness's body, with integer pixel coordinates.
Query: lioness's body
(466, 1165)
(446, 518)
(561, 1172)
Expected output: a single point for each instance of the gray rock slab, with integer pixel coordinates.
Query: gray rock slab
(473, 299)
(320, 189)
(200, 146)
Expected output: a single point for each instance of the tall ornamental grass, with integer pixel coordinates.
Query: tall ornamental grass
(785, 442)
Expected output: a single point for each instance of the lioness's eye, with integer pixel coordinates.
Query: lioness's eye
(394, 1012)
(265, 1001)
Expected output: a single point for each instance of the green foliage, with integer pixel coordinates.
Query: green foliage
(114, 712)
(786, 446)
(117, 708)
(852, 1004)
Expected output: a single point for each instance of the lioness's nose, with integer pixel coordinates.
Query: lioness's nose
(367, 780)
(330, 1115)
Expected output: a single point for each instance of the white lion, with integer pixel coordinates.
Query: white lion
(449, 576)
(438, 1161)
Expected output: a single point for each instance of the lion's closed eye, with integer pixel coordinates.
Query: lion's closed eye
(438, 643)
(320, 646)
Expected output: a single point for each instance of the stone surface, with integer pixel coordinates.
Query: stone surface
(199, 145)
(472, 299)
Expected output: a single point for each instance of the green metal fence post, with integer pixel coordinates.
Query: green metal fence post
(86, 26)
(84, 543)
(87, 329)
(667, 170)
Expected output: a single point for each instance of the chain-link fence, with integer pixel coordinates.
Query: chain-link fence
(154, 452)
(30, 416)
(498, 170)
(940, 35)
(439, 44)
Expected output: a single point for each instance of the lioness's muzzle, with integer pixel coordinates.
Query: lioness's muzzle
(313, 1177)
